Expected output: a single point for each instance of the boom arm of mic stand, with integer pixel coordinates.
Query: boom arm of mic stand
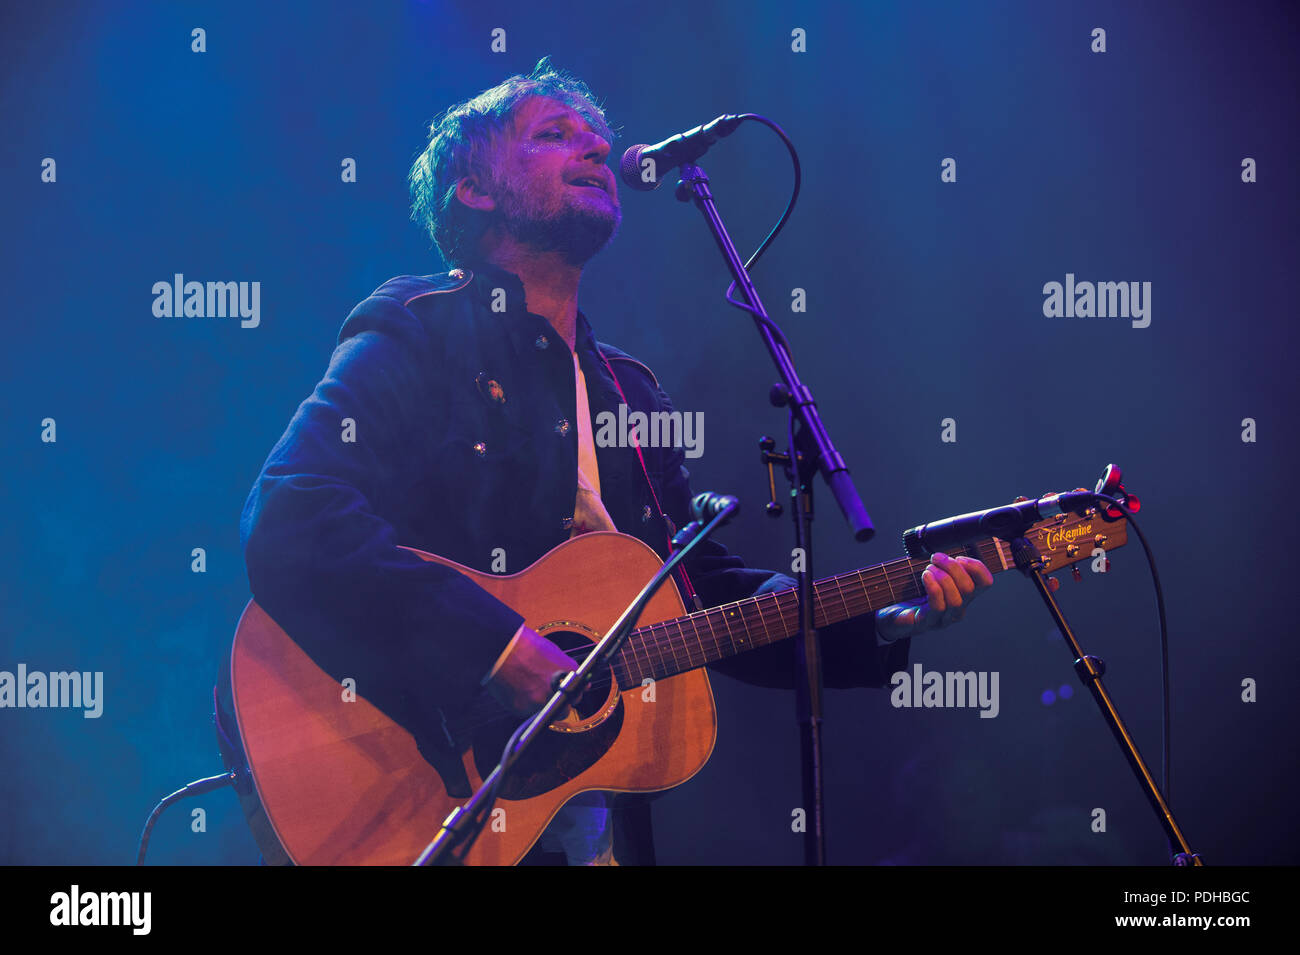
(455, 828)
(829, 461)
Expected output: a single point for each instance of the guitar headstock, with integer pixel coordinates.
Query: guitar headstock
(1068, 539)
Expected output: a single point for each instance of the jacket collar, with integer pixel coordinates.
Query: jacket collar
(524, 327)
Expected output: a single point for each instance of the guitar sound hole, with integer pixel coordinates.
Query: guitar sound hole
(577, 646)
(555, 757)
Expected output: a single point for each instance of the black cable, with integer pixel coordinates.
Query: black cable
(794, 194)
(196, 788)
(776, 229)
(1166, 759)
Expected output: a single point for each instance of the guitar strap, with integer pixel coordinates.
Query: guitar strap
(683, 577)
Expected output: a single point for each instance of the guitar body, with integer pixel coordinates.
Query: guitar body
(342, 784)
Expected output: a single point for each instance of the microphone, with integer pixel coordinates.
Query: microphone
(707, 506)
(704, 508)
(643, 166)
(1007, 523)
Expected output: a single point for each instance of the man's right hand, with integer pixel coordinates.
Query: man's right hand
(523, 681)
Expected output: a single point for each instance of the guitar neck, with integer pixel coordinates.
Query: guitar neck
(673, 646)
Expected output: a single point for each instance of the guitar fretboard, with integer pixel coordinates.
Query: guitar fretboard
(674, 646)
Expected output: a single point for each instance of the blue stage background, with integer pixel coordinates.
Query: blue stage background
(924, 302)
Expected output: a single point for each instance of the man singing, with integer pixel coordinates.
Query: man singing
(471, 396)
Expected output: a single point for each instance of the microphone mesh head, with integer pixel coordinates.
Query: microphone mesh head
(913, 546)
(630, 170)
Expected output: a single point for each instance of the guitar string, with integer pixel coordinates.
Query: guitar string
(751, 613)
(900, 571)
(486, 712)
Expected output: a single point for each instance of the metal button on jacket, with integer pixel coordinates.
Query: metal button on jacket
(541, 342)
(562, 427)
(490, 388)
(480, 449)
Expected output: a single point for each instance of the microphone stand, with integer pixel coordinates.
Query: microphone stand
(462, 827)
(816, 453)
(1090, 669)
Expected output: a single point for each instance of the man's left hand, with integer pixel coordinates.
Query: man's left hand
(951, 583)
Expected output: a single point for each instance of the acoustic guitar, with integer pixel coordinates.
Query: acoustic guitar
(342, 784)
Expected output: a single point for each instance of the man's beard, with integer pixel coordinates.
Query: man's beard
(577, 231)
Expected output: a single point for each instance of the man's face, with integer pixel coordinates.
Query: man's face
(552, 189)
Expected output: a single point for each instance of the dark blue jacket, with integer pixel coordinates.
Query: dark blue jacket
(439, 462)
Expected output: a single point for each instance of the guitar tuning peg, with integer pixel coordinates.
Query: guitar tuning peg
(1109, 482)
(1053, 584)
(1131, 501)
(1074, 572)
(1020, 500)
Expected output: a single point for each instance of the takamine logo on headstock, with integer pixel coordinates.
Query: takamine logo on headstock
(1054, 537)
(1070, 538)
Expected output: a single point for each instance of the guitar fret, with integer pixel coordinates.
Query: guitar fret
(847, 613)
(791, 628)
(682, 657)
(726, 619)
(859, 603)
(630, 646)
(708, 618)
(704, 654)
(667, 654)
(725, 647)
(665, 639)
(717, 616)
(697, 652)
(695, 626)
(657, 637)
(652, 649)
(740, 614)
(677, 650)
(767, 634)
(864, 590)
(670, 648)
